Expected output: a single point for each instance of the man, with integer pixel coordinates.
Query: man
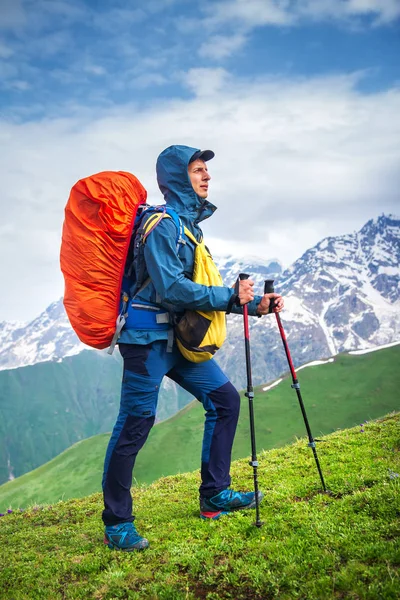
(148, 355)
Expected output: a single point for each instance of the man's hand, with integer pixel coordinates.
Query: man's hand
(246, 292)
(263, 307)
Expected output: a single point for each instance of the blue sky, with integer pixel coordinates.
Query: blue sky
(55, 53)
(300, 100)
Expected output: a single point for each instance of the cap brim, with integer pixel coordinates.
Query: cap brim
(203, 155)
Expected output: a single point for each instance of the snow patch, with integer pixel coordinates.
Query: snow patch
(11, 475)
(296, 311)
(325, 328)
(367, 350)
(277, 382)
(315, 363)
(388, 270)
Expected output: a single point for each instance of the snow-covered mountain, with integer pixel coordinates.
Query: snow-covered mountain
(342, 294)
(349, 287)
(50, 336)
(258, 268)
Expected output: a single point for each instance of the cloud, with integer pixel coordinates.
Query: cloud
(70, 50)
(205, 81)
(381, 12)
(19, 84)
(94, 69)
(256, 13)
(221, 46)
(296, 160)
(149, 79)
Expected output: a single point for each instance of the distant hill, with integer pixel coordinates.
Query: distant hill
(47, 407)
(350, 390)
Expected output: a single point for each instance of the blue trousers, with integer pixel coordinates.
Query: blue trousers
(144, 368)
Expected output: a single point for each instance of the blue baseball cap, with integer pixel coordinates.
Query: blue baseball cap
(203, 155)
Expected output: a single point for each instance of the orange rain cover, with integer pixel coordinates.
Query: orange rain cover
(99, 218)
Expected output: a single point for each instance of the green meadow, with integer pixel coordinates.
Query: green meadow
(314, 546)
(350, 391)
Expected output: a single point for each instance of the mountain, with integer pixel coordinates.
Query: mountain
(356, 301)
(49, 337)
(259, 269)
(341, 295)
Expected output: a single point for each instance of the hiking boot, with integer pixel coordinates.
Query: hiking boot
(124, 537)
(226, 502)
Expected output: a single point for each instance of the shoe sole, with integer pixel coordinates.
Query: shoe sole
(214, 516)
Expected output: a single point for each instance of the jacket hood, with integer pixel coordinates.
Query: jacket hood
(175, 185)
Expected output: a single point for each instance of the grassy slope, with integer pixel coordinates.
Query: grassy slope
(339, 395)
(311, 546)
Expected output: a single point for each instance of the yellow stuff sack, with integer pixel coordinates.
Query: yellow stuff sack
(200, 334)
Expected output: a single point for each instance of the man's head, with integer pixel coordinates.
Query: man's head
(182, 175)
(198, 172)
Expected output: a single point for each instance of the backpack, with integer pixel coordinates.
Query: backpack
(99, 218)
(198, 334)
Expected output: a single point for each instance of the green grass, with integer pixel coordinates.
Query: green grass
(351, 390)
(312, 546)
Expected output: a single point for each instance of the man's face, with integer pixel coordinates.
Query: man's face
(199, 177)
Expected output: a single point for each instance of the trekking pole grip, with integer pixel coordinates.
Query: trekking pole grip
(235, 296)
(269, 286)
(269, 289)
(242, 277)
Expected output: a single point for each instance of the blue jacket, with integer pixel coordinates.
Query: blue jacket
(170, 271)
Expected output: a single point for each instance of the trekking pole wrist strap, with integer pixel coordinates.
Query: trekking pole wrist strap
(234, 299)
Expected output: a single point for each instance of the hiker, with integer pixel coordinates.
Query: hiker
(150, 354)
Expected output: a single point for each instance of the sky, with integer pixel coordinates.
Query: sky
(299, 99)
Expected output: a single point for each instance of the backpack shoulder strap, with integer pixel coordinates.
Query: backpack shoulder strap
(149, 220)
(158, 214)
(191, 236)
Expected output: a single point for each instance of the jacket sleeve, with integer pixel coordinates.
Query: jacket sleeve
(165, 270)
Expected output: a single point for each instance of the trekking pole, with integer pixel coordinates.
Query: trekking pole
(250, 395)
(268, 289)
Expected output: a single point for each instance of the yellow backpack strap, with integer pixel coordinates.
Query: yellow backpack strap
(152, 223)
(191, 236)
